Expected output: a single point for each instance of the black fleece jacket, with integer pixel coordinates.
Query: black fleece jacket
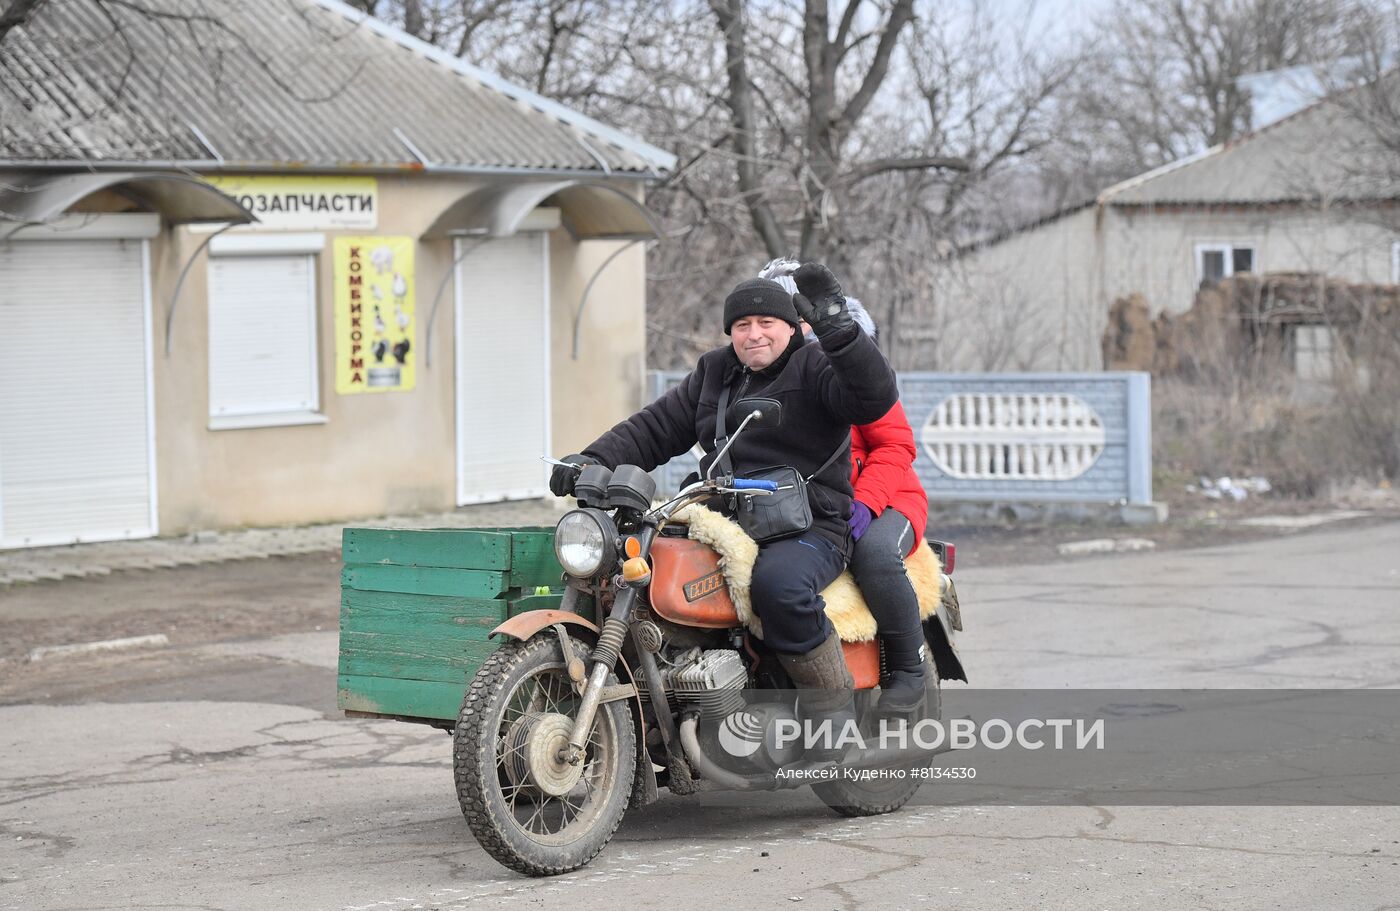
(824, 388)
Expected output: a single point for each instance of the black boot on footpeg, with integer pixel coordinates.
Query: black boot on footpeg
(904, 688)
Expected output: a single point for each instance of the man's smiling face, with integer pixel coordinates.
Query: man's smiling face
(760, 340)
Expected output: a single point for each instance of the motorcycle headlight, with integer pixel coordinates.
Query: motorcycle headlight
(585, 542)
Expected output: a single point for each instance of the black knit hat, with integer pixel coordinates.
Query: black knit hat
(758, 297)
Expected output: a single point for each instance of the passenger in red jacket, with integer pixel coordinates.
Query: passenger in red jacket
(891, 511)
(887, 523)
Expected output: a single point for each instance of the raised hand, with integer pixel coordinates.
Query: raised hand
(820, 300)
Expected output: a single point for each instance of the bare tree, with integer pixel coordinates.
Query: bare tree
(1174, 69)
(1367, 95)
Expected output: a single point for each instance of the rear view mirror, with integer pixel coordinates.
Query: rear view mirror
(770, 411)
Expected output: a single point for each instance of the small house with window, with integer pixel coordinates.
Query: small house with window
(1294, 196)
(288, 265)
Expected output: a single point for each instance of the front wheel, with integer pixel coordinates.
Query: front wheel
(528, 808)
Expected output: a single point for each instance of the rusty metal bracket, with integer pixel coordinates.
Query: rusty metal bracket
(615, 692)
(573, 664)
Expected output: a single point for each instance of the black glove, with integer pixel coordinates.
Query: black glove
(819, 299)
(563, 478)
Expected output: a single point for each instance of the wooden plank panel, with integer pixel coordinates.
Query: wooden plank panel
(403, 657)
(419, 698)
(417, 624)
(535, 602)
(532, 560)
(455, 548)
(420, 615)
(424, 580)
(467, 644)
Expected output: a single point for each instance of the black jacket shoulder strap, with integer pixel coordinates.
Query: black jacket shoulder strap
(721, 432)
(840, 448)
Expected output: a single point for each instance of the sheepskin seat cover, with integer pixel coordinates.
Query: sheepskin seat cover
(845, 606)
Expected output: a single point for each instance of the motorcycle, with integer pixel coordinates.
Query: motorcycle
(571, 721)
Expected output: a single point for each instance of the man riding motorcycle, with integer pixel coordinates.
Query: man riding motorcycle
(823, 388)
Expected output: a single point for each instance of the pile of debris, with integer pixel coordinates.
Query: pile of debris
(1228, 488)
(1243, 320)
(1238, 383)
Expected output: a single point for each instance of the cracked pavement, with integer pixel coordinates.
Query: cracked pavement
(217, 773)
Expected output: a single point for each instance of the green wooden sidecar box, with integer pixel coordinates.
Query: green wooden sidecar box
(417, 607)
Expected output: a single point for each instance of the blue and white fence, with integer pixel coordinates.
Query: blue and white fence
(1014, 437)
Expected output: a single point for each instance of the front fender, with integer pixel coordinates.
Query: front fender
(524, 626)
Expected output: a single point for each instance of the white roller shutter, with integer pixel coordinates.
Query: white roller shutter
(75, 414)
(262, 335)
(502, 368)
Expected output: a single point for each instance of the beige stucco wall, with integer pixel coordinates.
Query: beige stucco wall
(604, 384)
(1048, 289)
(1153, 252)
(376, 453)
(1023, 303)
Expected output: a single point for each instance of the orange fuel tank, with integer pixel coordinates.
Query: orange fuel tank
(687, 586)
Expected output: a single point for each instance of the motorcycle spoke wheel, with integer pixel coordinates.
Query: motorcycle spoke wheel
(528, 808)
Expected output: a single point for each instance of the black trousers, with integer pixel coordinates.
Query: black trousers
(878, 566)
(788, 578)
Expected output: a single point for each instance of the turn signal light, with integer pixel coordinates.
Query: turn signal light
(635, 569)
(632, 547)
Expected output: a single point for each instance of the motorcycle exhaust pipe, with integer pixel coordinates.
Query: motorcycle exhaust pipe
(874, 758)
(711, 770)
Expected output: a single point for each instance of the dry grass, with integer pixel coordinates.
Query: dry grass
(1304, 444)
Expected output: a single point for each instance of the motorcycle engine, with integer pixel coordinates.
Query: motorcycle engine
(713, 684)
(710, 681)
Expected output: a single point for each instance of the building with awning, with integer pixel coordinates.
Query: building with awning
(295, 265)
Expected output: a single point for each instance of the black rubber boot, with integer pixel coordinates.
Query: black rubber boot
(826, 693)
(903, 689)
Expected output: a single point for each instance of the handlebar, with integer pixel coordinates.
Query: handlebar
(701, 490)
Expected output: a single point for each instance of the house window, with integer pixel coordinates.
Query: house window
(262, 332)
(1217, 261)
(1313, 347)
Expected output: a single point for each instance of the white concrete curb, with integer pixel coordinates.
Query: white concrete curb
(1105, 546)
(1291, 523)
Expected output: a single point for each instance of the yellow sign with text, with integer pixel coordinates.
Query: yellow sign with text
(374, 314)
(302, 202)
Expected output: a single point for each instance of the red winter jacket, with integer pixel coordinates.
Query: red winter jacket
(882, 469)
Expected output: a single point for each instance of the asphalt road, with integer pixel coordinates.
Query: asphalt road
(217, 774)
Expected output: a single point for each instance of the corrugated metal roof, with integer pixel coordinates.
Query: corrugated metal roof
(1319, 152)
(306, 83)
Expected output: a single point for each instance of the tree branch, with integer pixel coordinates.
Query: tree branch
(900, 16)
(885, 165)
(848, 18)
